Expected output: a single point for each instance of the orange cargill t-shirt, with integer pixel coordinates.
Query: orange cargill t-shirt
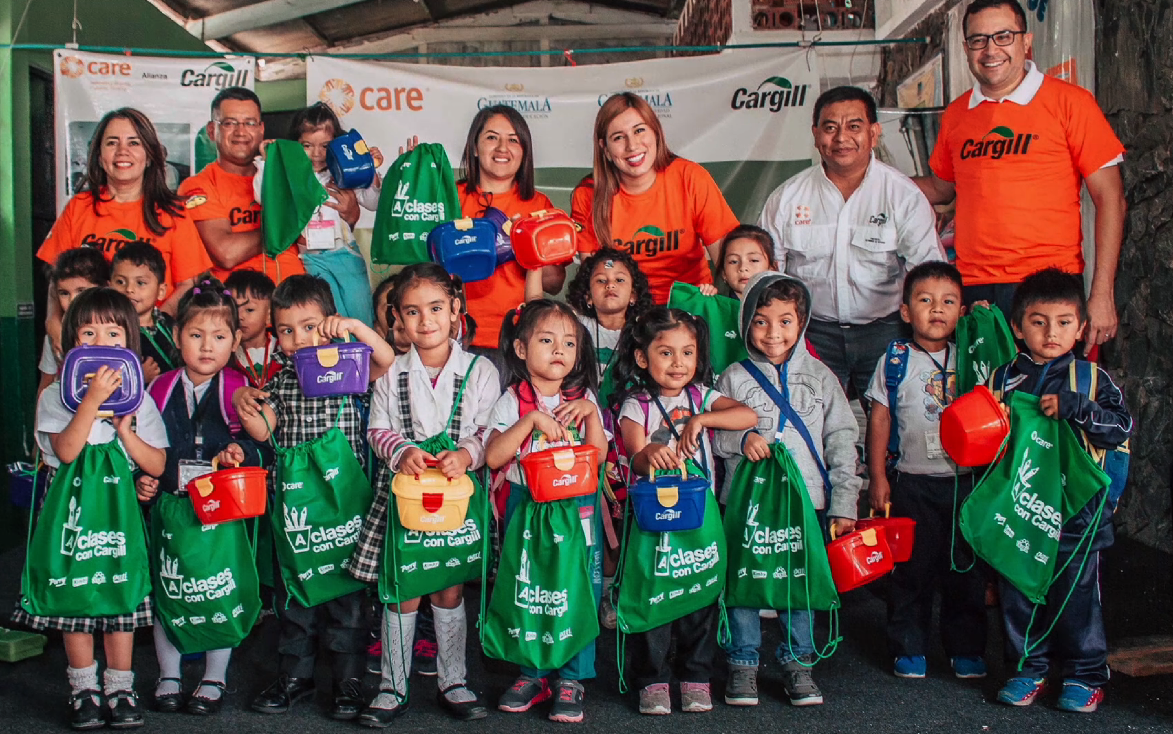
(490, 299)
(1018, 170)
(666, 227)
(118, 223)
(214, 193)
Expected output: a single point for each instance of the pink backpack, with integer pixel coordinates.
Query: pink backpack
(230, 381)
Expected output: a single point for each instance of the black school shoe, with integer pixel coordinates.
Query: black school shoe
(282, 694)
(85, 710)
(464, 710)
(201, 706)
(169, 703)
(348, 700)
(125, 712)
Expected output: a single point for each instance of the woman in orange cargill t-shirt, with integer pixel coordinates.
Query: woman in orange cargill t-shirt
(499, 164)
(124, 198)
(642, 198)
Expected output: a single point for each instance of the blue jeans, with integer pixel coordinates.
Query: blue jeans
(851, 351)
(745, 629)
(582, 665)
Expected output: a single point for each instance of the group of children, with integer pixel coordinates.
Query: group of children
(437, 403)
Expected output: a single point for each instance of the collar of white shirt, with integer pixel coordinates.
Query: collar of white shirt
(867, 174)
(1022, 94)
(455, 361)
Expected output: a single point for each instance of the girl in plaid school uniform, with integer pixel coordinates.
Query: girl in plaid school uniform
(430, 409)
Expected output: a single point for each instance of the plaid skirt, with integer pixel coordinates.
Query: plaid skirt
(143, 616)
(367, 558)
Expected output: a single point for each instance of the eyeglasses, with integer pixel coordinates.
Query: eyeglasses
(978, 41)
(250, 125)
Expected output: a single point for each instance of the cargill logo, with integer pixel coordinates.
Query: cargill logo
(338, 95)
(218, 75)
(651, 241)
(1000, 141)
(112, 241)
(773, 94)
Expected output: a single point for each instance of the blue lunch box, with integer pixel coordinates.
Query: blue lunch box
(350, 161)
(504, 244)
(669, 503)
(465, 247)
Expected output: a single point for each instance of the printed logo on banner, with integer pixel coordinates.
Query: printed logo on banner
(660, 100)
(338, 95)
(217, 75)
(773, 94)
(72, 67)
(531, 106)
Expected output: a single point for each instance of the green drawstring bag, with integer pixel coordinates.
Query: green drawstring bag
(87, 556)
(419, 192)
(207, 594)
(543, 610)
(984, 343)
(291, 193)
(1014, 517)
(777, 559)
(720, 312)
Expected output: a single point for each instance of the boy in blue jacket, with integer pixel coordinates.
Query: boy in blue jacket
(1049, 316)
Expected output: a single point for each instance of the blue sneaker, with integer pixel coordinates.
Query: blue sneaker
(969, 666)
(1021, 691)
(910, 666)
(1080, 697)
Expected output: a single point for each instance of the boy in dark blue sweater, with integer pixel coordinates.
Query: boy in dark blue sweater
(1048, 318)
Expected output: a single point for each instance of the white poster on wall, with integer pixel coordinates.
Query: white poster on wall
(175, 93)
(743, 114)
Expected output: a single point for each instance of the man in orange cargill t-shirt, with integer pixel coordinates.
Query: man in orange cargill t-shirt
(1014, 151)
(220, 198)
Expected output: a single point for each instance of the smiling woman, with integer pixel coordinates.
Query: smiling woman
(642, 198)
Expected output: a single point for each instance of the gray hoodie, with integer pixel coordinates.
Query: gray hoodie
(815, 394)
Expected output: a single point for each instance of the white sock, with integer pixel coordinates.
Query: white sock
(451, 638)
(398, 638)
(114, 681)
(169, 663)
(83, 679)
(215, 669)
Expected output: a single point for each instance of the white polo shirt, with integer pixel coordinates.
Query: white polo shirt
(852, 254)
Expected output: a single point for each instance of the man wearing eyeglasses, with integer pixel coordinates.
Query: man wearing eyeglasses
(1014, 152)
(220, 198)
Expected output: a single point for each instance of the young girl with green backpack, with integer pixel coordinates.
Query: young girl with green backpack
(666, 414)
(430, 409)
(86, 570)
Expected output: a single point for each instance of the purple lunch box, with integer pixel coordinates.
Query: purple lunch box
(504, 244)
(333, 369)
(81, 363)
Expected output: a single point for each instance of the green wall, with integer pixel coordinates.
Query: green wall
(104, 23)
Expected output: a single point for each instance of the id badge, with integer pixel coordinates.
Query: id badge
(189, 470)
(933, 447)
(319, 235)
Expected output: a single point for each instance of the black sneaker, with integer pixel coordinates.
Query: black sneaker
(85, 710)
(567, 707)
(524, 694)
(125, 712)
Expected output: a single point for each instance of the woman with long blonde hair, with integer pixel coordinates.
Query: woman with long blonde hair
(663, 209)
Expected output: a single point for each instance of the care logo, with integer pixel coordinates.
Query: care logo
(773, 94)
(998, 143)
(649, 241)
(72, 67)
(338, 95)
(217, 75)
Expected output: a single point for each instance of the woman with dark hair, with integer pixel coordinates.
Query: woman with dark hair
(499, 172)
(642, 198)
(124, 198)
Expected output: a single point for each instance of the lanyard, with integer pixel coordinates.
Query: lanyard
(164, 354)
(692, 411)
(259, 376)
(943, 369)
(197, 414)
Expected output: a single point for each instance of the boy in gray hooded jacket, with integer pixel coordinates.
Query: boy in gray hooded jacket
(775, 310)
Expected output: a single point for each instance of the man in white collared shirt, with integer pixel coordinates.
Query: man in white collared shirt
(1016, 170)
(850, 229)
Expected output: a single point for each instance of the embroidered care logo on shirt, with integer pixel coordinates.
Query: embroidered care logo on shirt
(652, 242)
(999, 142)
(778, 93)
(114, 240)
(802, 214)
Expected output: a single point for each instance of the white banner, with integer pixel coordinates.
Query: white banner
(744, 114)
(176, 94)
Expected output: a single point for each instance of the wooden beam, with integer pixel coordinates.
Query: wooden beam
(259, 15)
